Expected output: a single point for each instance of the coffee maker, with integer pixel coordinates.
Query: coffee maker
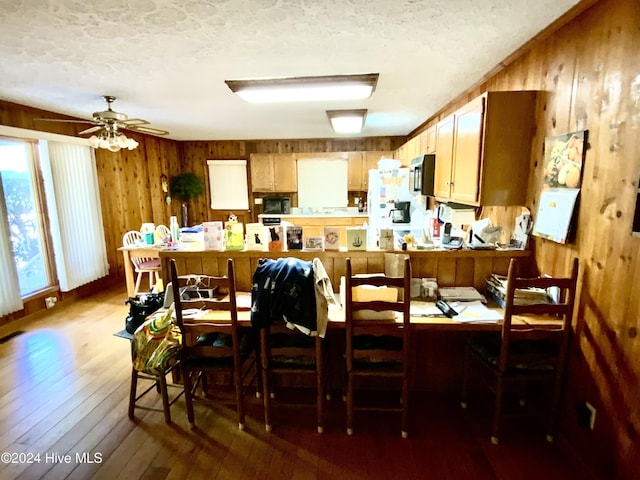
(400, 212)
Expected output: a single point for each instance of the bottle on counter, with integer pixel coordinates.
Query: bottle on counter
(174, 229)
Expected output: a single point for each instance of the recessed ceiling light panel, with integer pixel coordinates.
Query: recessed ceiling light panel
(347, 121)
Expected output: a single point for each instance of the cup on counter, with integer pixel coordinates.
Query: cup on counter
(149, 238)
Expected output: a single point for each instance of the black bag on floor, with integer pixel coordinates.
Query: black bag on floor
(140, 308)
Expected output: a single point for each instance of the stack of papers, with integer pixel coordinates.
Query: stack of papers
(460, 294)
(475, 312)
(497, 288)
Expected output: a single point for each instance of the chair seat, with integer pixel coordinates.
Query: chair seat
(532, 355)
(377, 342)
(297, 362)
(149, 264)
(372, 365)
(283, 340)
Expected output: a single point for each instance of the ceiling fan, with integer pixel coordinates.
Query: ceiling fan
(109, 123)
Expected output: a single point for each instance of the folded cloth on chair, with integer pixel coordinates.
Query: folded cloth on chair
(155, 344)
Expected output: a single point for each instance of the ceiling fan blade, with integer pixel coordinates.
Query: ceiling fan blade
(149, 130)
(91, 129)
(63, 120)
(134, 121)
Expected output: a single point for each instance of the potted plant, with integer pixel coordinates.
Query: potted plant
(185, 187)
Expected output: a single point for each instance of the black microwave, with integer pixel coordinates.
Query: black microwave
(422, 173)
(278, 205)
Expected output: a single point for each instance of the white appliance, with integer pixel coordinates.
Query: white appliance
(386, 187)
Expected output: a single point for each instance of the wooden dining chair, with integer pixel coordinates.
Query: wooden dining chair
(215, 344)
(290, 353)
(155, 350)
(142, 265)
(377, 341)
(289, 357)
(522, 355)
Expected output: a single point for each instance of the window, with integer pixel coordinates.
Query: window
(23, 214)
(49, 211)
(228, 184)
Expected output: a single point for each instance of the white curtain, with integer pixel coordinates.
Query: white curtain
(73, 204)
(10, 300)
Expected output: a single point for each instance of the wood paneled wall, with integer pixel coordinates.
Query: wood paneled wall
(196, 155)
(588, 74)
(130, 186)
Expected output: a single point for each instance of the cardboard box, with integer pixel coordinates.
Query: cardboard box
(213, 236)
(386, 239)
(294, 238)
(276, 238)
(356, 238)
(256, 237)
(234, 236)
(331, 238)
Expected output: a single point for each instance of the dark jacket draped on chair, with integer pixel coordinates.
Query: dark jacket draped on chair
(283, 290)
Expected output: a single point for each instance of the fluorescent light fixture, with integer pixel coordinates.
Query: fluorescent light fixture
(347, 121)
(305, 89)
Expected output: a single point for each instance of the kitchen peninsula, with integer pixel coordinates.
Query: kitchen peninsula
(449, 267)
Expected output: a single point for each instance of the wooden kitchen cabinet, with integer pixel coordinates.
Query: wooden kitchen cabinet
(273, 172)
(428, 141)
(359, 165)
(483, 150)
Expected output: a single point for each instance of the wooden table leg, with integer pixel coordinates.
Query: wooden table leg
(128, 274)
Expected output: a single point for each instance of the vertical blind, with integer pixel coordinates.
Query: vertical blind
(10, 300)
(228, 184)
(73, 201)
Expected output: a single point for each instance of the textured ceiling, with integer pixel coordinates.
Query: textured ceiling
(166, 60)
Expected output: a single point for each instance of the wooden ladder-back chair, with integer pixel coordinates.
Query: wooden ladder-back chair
(212, 341)
(378, 345)
(142, 265)
(290, 353)
(524, 354)
(155, 352)
(289, 356)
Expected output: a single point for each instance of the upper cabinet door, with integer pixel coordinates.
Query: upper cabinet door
(444, 158)
(261, 172)
(354, 173)
(285, 173)
(467, 147)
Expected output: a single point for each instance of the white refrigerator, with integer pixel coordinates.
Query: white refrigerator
(385, 188)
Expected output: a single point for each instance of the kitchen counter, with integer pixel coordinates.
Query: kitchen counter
(363, 216)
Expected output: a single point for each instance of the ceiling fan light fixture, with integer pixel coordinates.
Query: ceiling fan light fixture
(305, 89)
(347, 121)
(112, 140)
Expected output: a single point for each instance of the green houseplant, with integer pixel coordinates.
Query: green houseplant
(185, 187)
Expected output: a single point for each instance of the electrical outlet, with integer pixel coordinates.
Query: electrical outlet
(50, 301)
(592, 417)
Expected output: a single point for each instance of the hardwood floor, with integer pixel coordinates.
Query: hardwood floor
(64, 386)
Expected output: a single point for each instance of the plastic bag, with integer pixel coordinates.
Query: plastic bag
(155, 345)
(140, 308)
